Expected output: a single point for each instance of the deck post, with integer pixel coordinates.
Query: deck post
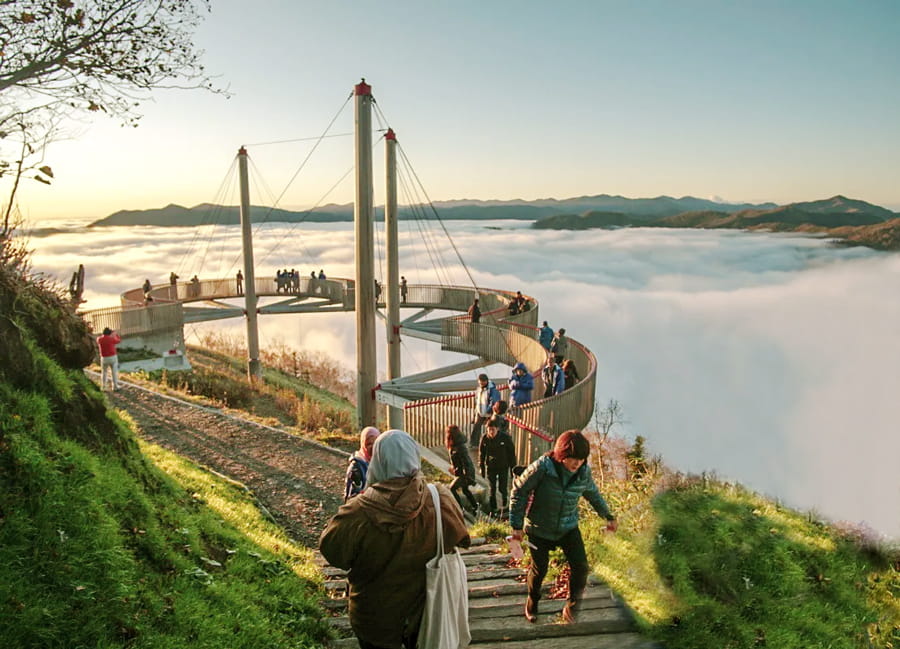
(254, 369)
(366, 363)
(392, 281)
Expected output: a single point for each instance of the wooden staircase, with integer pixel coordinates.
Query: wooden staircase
(496, 609)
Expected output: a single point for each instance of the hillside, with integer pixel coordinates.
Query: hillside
(850, 221)
(98, 547)
(643, 209)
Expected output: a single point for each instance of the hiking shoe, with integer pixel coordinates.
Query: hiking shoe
(531, 609)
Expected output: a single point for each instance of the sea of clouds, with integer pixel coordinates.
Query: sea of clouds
(771, 359)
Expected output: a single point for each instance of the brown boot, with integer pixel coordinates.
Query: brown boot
(531, 609)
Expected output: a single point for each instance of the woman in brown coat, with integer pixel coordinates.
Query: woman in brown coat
(384, 537)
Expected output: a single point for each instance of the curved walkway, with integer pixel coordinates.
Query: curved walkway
(429, 404)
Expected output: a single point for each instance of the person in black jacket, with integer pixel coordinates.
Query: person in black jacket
(460, 466)
(496, 457)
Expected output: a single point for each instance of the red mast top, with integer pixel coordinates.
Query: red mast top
(362, 88)
(390, 135)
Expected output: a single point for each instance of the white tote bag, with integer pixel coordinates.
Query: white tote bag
(445, 623)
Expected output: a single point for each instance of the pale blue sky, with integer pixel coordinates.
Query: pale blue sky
(780, 101)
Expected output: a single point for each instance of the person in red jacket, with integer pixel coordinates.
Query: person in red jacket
(109, 358)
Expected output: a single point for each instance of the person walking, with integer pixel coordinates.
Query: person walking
(554, 484)
(109, 357)
(404, 289)
(545, 336)
(475, 312)
(384, 537)
(553, 377)
(239, 281)
(486, 395)
(358, 465)
(496, 457)
(461, 466)
(560, 345)
(570, 373)
(521, 383)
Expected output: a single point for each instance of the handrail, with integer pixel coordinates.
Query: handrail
(505, 339)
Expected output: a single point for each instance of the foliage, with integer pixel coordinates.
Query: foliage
(708, 564)
(61, 59)
(278, 399)
(97, 547)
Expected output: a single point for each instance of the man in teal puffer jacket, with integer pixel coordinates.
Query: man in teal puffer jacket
(545, 497)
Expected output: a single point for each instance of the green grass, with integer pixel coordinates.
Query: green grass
(706, 564)
(98, 548)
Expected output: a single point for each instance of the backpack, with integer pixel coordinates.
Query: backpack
(357, 468)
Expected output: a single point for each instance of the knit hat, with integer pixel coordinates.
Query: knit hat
(571, 444)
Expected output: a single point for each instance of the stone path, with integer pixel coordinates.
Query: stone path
(496, 610)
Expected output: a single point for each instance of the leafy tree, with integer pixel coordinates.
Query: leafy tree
(64, 59)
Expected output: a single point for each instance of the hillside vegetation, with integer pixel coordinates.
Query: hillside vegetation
(98, 547)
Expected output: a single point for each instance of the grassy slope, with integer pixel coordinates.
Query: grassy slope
(706, 564)
(98, 547)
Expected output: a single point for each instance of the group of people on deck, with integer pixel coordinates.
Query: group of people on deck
(385, 532)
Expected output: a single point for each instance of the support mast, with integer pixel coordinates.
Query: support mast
(254, 369)
(366, 364)
(392, 281)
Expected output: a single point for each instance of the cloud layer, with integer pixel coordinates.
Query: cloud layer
(771, 359)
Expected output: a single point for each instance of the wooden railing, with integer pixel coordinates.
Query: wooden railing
(499, 337)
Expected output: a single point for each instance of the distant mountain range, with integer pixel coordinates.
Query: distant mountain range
(643, 208)
(854, 222)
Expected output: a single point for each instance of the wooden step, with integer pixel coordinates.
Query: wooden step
(548, 625)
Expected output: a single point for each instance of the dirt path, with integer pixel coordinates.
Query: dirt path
(300, 482)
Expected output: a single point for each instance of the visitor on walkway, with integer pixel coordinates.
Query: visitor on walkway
(461, 466)
(560, 345)
(496, 458)
(239, 280)
(194, 289)
(384, 537)
(404, 289)
(570, 373)
(521, 383)
(513, 307)
(486, 395)
(358, 466)
(475, 312)
(553, 377)
(109, 357)
(146, 288)
(499, 416)
(322, 274)
(555, 483)
(377, 291)
(545, 336)
(173, 279)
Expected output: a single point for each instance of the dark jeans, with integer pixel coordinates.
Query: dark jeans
(461, 484)
(408, 643)
(572, 546)
(477, 424)
(498, 481)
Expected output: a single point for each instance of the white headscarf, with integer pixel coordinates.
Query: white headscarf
(395, 455)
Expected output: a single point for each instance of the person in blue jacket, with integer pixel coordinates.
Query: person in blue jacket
(545, 336)
(521, 383)
(550, 489)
